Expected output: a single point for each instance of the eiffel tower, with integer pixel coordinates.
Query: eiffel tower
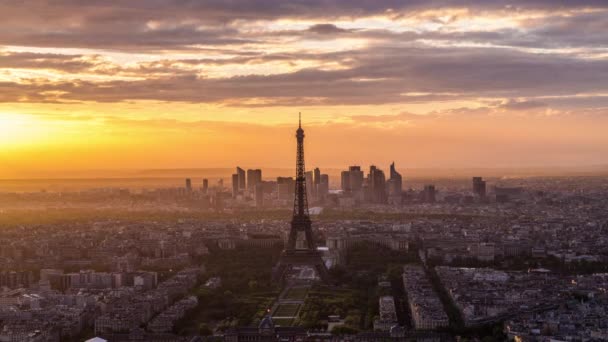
(300, 222)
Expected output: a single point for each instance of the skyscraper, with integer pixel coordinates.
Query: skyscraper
(429, 193)
(310, 185)
(395, 186)
(376, 185)
(205, 185)
(322, 187)
(253, 178)
(356, 178)
(259, 195)
(285, 187)
(317, 180)
(242, 185)
(479, 187)
(188, 185)
(235, 185)
(345, 181)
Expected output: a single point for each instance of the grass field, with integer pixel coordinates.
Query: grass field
(284, 322)
(296, 293)
(286, 310)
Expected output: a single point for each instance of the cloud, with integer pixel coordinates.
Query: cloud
(522, 105)
(326, 29)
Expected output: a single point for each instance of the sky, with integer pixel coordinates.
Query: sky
(97, 85)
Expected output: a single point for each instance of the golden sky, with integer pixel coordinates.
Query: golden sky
(90, 85)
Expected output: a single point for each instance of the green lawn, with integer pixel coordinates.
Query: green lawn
(284, 322)
(296, 293)
(286, 310)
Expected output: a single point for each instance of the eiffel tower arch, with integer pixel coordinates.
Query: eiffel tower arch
(300, 223)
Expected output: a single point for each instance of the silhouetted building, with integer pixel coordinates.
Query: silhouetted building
(188, 185)
(235, 185)
(429, 193)
(345, 181)
(242, 185)
(310, 186)
(356, 178)
(317, 180)
(395, 185)
(285, 188)
(376, 185)
(322, 186)
(259, 195)
(254, 177)
(479, 187)
(205, 188)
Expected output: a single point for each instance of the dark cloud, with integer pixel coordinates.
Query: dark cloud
(377, 76)
(392, 67)
(181, 24)
(326, 29)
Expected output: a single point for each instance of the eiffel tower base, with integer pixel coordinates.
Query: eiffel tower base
(291, 258)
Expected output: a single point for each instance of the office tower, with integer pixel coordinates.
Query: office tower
(317, 180)
(242, 185)
(356, 178)
(235, 185)
(285, 188)
(205, 185)
(309, 177)
(259, 195)
(376, 185)
(322, 186)
(253, 178)
(188, 185)
(345, 181)
(394, 185)
(479, 187)
(397, 180)
(300, 223)
(429, 193)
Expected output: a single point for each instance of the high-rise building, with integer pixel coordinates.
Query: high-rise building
(429, 193)
(395, 186)
(235, 185)
(188, 185)
(322, 186)
(479, 187)
(317, 180)
(285, 188)
(259, 195)
(242, 185)
(310, 185)
(376, 185)
(254, 177)
(205, 185)
(345, 181)
(356, 178)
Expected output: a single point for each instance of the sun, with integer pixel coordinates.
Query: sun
(19, 129)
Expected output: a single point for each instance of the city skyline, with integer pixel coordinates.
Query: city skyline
(303, 170)
(463, 84)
